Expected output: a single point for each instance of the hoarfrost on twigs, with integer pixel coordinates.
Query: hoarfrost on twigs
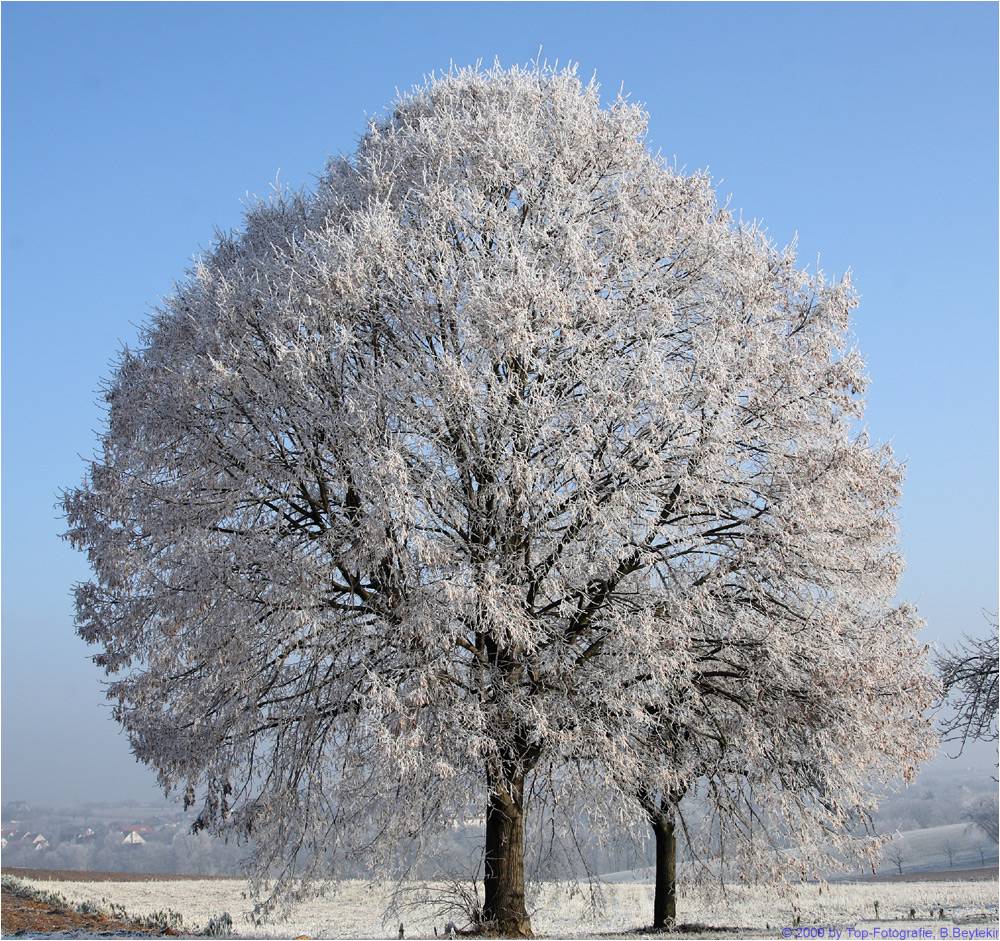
(499, 457)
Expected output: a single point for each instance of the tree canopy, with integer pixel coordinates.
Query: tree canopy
(504, 451)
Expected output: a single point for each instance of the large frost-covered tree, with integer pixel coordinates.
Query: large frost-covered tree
(505, 447)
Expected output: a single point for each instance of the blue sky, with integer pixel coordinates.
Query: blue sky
(133, 131)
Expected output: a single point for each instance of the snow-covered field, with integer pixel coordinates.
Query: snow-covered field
(357, 909)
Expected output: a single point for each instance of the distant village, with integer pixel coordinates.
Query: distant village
(110, 837)
(135, 833)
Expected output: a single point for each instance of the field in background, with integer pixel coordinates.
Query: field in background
(356, 909)
(953, 852)
(956, 845)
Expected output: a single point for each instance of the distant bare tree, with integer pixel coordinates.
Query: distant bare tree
(985, 814)
(895, 853)
(969, 677)
(949, 848)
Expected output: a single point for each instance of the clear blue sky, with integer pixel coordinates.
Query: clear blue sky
(131, 131)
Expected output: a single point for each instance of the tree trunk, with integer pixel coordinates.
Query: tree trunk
(504, 869)
(665, 900)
